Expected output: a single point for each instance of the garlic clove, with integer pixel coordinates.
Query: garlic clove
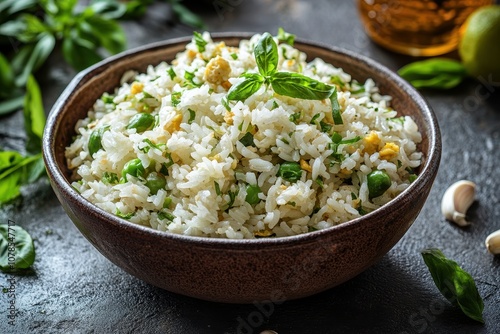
(456, 201)
(493, 242)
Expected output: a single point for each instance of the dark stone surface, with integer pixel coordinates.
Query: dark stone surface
(73, 289)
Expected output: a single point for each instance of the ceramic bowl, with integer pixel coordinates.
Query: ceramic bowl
(239, 271)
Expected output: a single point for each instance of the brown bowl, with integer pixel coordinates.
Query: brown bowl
(239, 271)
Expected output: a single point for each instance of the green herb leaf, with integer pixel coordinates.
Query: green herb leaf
(108, 32)
(266, 55)
(124, 215)
(171, 73)
(454, 283)
(79, 53)
(439, 73)
(166, 215)
(34, 116)
(247, 140)
(176, 98)
(15, 244)
(199, 41)
(109, 9)
(35, 57)
(246, 88)
(290, 171)
(285, 37)
(337, 116)
(192, 115)
(11, 105)
(6, 76)
(15, 170)
(299, 86)
(190, 76)
(225, 104)
(217, 188)
(186, 16)
(34, 170)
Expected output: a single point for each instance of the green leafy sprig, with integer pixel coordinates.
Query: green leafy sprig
(289, 84)
(33, 28)
(454, 283)
(15, 169)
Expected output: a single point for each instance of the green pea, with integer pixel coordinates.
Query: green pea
(134, 167)
(95, 139)
(253, 191)
(290, 171)
(378, 182)
(141, 122)
(155, 182)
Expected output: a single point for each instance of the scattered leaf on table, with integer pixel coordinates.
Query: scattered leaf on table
(455, 284)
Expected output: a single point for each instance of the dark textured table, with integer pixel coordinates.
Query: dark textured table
(74, 289)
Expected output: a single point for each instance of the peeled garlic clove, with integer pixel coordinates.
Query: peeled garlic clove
(456, 201)
(493, 242)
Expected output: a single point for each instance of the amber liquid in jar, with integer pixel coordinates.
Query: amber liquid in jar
(417, 28)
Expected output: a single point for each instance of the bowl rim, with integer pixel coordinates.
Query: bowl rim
(428, 169)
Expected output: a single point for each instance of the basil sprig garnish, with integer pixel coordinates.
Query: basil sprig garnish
(284, 83)
(455, 284)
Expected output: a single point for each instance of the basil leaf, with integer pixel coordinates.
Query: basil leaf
(285, 37)
(34, 116)
(109, 9)
(37, 57)
(337, 116)
(455, 284)
(266, 55)
(12, 28)
(11, 105)
(299, 86)
(186, 16)
(13, 173)
(246, 88)
(14, 6)
(22, 255)
(34, 171)
(439, 73)
(8, 158)
(6, 75)
(108, 32)
(79, 54)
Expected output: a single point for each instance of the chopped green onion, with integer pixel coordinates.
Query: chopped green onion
(199, 41)
(192, 115)
(171, 73)
(247, 140)
(290, 171)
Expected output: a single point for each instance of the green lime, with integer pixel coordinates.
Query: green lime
(480, 44)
